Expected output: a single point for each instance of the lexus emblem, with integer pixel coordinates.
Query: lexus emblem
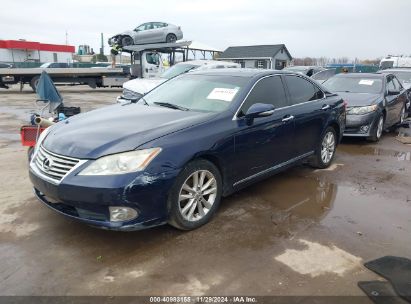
(47, 163)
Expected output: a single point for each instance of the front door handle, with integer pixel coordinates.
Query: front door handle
(325, 107)
(288, 118)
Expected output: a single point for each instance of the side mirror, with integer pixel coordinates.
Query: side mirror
(393, 92)
(259, 110)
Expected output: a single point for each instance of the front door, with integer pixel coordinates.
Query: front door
(393, 102)
(266, 142)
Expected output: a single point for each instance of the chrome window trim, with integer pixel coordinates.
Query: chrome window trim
(290, 161)
(235, 117)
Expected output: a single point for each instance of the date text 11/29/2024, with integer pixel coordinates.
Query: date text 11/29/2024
(203, 299)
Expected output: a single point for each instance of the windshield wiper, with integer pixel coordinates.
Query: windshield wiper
(171, 105)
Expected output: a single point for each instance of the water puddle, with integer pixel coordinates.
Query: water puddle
(370, 150)
(293, 204)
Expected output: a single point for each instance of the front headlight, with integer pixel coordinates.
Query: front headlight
(131, 95)
(121, 163)
(362, 110)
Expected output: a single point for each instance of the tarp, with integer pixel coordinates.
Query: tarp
(46, 90)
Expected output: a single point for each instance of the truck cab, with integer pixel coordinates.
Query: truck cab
(147, 64)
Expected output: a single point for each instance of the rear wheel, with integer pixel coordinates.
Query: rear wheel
(171, 38)
(326, 150)
(127, 40)
(377, 130)
(34, 82)
(195, 195)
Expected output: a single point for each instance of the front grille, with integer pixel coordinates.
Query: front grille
(52, 165)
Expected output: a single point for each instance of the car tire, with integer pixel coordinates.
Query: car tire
(377, 129)
(34, 82)
(127, 40)
(171, 38)
(403, 115)
(325, 152)
(195, 195)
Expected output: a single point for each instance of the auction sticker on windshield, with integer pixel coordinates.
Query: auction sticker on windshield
(223, 94)
(366, 82)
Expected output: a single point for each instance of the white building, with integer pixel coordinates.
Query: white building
(258, 56)
(15, 51)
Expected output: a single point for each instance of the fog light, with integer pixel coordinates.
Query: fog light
(122, 214)
(365, 128)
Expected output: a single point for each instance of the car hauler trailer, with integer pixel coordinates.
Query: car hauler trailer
(94, 77)
(141, 68)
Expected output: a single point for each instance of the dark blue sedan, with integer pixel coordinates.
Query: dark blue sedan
(170, 157)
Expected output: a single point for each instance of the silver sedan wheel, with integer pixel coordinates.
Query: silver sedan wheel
(328, 147)
(380, 127)
(197, 195)
(402, 117)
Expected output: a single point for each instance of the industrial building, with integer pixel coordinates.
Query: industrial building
(17, 51)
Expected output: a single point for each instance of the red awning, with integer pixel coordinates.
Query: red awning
(31, 45)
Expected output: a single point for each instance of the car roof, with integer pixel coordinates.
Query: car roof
(240, 72)
(360, 75)
(395, 70)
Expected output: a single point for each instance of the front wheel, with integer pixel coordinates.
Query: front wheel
(125, 41)
(403, 115)
(377, 130)
(326, 150)
(195, 196)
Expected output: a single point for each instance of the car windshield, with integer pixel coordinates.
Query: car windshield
(403, 76)
(177, 70)
(354, 84)
(203, 93)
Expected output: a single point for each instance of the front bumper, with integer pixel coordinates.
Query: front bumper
(360, 125)
(88, 198)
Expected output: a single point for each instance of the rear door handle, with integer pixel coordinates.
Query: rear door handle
(325, 107)
(288, 118)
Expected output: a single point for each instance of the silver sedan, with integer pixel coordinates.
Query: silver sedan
(150, 32)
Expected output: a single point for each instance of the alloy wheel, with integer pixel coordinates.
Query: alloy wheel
(380, 127)
(197, 195)
(402, 117)
(327, 147)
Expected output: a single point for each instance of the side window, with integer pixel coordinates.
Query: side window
(149, 26)
(302, 90)
(141, 27)
(268, 90)
(390, 84)
(397, 84)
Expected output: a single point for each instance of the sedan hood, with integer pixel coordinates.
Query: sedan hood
(359, 99)
(117, 128)
(142, 86)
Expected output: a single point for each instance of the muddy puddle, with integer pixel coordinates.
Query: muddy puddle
(365, 150)
(292, 204)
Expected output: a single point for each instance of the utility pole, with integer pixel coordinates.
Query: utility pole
(102, 45)
(66, 38)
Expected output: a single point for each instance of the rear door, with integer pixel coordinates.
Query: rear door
(310, 110)
(268, 141)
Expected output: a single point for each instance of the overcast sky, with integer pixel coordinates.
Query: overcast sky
(331, 28)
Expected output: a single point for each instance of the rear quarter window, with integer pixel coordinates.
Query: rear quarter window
(302, 90)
